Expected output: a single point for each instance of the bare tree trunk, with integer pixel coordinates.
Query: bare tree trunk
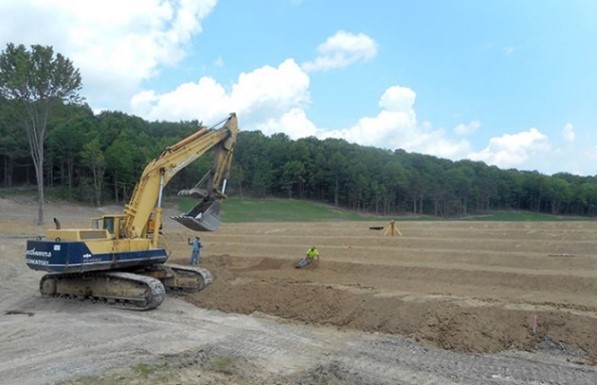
(116, 187)
(40, 194)
(35, 135)
(70, 166)
(97, 184)
(336, 188)
(8, 171)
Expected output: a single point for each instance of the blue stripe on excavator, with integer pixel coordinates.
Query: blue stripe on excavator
(75, 257)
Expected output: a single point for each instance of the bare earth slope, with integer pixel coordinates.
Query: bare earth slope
(469, 287)
(464, 293)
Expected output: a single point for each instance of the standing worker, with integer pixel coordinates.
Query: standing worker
(196, 253)
(312, 254)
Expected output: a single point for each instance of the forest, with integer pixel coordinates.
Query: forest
(97, 158)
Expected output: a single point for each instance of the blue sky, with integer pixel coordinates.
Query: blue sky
(510, 83)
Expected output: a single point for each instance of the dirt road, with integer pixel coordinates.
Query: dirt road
(446, 303)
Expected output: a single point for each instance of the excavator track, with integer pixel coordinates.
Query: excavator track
(123, 290)
(186, 279)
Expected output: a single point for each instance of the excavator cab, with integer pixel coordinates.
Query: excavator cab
(111, 223)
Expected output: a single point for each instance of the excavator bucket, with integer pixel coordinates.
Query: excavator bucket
(203, 217)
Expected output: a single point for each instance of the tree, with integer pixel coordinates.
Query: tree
(395, 181)
(120, 162)
(13, 147)
(337, 164)
(559, 193)
(68, 132)
(36, 80)
(93, 157)
(293, 172)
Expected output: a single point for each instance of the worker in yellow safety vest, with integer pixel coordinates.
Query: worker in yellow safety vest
(312, 254)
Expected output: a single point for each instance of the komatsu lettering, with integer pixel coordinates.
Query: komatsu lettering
(37, 262)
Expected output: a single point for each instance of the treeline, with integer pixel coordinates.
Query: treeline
(99, 158)
(396, 182)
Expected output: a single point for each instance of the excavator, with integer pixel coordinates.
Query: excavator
(119, 260)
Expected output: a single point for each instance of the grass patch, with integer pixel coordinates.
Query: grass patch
(142, 373)
(91, 380)
(19, 192)
(524, 216)
(246, 210)
(149, 369)
(51, 194)
(222, 364)
(237, 210)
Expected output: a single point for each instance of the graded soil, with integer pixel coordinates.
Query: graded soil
(463, 286)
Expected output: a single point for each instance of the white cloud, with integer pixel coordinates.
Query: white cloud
(115, 44)
(568, 133)
(273, 99)
(398, 99)
(468, 128)
(272, 89)
(205, 100)
(513, 150)
(342, 50)
(267, 94)
(396, 127)
(395, 124)
(294, 123)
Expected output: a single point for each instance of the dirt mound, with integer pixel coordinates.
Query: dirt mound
(332, 295)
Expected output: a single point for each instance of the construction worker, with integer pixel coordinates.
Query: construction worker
(196, 253)
(311, 255)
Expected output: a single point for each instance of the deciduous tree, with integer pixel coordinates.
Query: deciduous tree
(36, 79)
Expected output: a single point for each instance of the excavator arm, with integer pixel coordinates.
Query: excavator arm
(144, 207)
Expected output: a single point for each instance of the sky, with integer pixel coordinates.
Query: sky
(507, 82)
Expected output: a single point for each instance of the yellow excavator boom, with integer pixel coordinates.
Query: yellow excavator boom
(145, 204)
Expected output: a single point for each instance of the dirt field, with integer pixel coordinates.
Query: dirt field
(468, 287)
(479, 302)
